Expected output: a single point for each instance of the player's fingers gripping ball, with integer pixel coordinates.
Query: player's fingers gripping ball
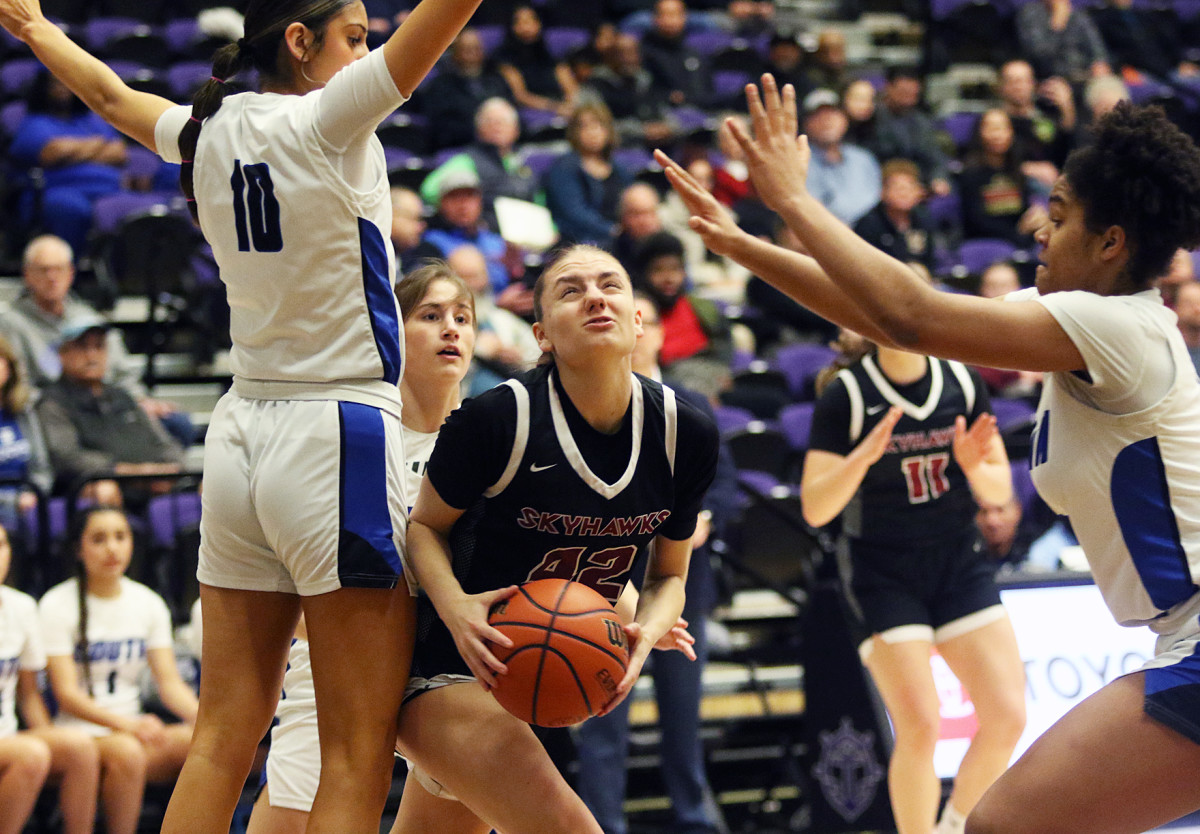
(569, 652)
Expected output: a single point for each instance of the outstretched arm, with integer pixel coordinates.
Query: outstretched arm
(416, 46)
(915, 316)
(129, 111)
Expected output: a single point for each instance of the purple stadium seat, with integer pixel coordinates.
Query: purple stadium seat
(690, 118)
(141, 162)
(633, 160)
(959, 126)
(181, 33)
(1011, 413)
(492, 35)
(945, 209)
(708, 42)
(978, 254)
(540, 161)
(1196, 261)
(170, 513)
(561, 40)
(109, 211)
(731, 417)
(762, 482)
(99, 32)
(1023, 484)
(16, 76)
(727, 83)
(11, 115)
(800, 363)
(185, 77)
(795, 421)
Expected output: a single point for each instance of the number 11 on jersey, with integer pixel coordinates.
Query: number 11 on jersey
(255, 209)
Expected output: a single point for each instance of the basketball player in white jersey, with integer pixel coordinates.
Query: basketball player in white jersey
(28, 756)
(439, 339)
(1118, 427)
(304, 501)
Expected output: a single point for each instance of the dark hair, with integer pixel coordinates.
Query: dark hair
(265, 24)
(1141, 173)
(851, 349)
(974, 153)
(38, 100)
(415, 285)
(654, 246)
(73, 545)
(898, 71)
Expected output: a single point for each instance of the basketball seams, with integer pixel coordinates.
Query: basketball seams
(545, 646)
(567, 680)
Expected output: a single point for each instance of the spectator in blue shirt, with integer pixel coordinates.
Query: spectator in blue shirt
(845, 178)
(80, 155)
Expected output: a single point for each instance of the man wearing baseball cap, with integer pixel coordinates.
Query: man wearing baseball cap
(844, 177)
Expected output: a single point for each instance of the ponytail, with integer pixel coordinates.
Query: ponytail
(265, 24)
(851, 347)
(228, 62)
(82, 649)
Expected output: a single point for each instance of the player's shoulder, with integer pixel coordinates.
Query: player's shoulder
(142, 594)
(63, 592)
(17, 602)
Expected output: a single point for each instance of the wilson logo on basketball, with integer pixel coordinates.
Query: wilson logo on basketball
(616, 634)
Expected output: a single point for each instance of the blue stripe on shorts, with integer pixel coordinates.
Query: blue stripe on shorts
(1173, 695)
(367, 556)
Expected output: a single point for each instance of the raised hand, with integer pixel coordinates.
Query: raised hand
(711, 220)
(777, 159)
(14, 14)
(974, 446)
(876, 442)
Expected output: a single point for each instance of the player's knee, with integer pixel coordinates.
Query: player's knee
(125, 758)
(78, 753)
(918, 730)
(31, 765)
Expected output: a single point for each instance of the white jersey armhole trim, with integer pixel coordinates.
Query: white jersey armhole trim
(964, 379)
(671, 415)
(856, 404)
(520, 439)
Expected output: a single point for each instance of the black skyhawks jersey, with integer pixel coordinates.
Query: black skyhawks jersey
(546, 495)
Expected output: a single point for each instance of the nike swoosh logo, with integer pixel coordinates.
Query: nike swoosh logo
(875, 409)
(533, 467)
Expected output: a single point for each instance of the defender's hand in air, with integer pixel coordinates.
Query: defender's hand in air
(711, 220)
(777, 159)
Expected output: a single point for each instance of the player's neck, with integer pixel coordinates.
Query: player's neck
(902, 367)
(600, 395)
(426, 411)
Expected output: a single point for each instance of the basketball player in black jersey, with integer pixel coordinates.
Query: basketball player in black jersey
(565, 472)
(890, 452)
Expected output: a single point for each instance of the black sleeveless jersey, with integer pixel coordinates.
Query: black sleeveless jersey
(916, 490)
(548, 496)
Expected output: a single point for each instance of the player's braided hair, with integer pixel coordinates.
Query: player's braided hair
(1141, 173)
(265, 24)
(74, 550)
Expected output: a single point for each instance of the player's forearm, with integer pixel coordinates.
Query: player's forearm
(802, 278)
(89, 78)
(991, 482)
(429, 557)
(420, 41)
(888, 294)
(660, 605)
(825, 493)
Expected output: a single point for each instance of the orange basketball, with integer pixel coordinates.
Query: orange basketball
(569, 652)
